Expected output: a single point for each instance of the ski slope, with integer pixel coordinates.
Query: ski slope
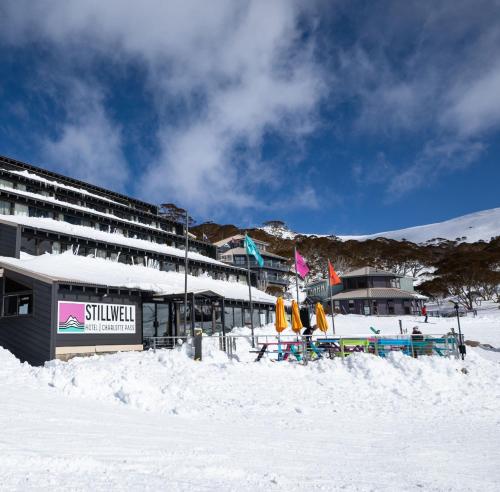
(474, 227)
(161, 421)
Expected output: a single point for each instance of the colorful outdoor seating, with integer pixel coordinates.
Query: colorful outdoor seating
(443, 346)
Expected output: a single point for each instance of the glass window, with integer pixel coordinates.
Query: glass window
(22, 210)
(56, 248)
(10, 305)
(228, 318)
(4, 207)
(246, 316)
(168, 266)
(21, 186)
(4, 183)
(237, 317)
(18, 305)
(44, 247)
(25, 304)
(100, 253)
(256, 317)
(28, 245)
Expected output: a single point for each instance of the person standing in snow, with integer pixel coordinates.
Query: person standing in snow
(416, 336)
(424, 313)
(308, 333)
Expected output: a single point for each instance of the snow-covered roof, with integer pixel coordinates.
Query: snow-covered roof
(226, 240)
(242, 251)
(370, 271)
(107, 237)
(71, 268)
(50, 199)
(377, 293)
(57, 184)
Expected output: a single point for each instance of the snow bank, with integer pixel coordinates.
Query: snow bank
(169, 381)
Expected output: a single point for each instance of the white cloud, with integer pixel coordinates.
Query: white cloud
(237, 69)
(87, 145)
(475, 104)
(436, 158)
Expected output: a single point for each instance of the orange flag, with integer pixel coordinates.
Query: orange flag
(334, 278)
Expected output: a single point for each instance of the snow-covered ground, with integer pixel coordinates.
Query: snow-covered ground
(161, 421)
(474, 227)
(485, 328)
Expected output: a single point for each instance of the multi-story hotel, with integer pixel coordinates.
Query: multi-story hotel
(86, 270)
(272, 277)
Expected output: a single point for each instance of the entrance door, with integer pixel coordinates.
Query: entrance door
(155, 317)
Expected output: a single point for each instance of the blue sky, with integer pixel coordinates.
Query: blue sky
(337, 117)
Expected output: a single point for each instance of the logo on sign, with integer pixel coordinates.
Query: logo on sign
(87, 317)
(71, 317)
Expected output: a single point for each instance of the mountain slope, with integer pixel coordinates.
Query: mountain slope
(474, 227)
(469, 228)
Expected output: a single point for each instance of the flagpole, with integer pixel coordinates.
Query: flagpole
(186, 247)
(296, 274)
(331, 299)
(250, 295)
(331, 308)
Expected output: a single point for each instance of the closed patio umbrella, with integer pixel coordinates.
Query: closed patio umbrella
(321, 318)
(281, 322)
(296, 321)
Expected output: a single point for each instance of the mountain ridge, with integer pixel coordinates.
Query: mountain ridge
(473, 227)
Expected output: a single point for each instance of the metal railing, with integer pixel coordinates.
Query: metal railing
(166, 342)
(307, 348)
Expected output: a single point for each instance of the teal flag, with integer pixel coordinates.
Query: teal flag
(252, 249)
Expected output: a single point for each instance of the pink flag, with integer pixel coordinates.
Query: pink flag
(302, 268)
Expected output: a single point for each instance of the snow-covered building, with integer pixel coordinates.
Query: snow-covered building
(115, 261)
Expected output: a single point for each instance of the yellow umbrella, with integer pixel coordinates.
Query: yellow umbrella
(281, 323)
(296, 321)
(321, 318)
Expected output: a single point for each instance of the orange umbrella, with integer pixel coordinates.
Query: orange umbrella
(321, 318)
(281, 323)
(296, 321)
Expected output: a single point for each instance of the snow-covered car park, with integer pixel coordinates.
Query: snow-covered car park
(158, 420)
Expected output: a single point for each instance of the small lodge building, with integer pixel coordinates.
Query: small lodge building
(86, 270)
(368, 291)
(272, 277)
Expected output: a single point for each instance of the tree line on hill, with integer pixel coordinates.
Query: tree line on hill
(470, 272)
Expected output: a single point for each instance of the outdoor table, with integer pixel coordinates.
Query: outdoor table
(289, 348)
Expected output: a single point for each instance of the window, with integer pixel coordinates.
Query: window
(28, 245)
(396, 283)
(6, 184)
(168, 266)
(22, 210)
(18, 299)
(351, 305)
(4, 207)
(100, 253)
(56, 248)
(72, 220)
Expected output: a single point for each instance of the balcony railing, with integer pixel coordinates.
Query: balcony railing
(276, 265)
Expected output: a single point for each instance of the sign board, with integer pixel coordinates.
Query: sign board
(95, 318)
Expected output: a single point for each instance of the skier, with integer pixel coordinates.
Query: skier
(424, 312)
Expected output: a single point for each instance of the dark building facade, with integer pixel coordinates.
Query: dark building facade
(45, 216)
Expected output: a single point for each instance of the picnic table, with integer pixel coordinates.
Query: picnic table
(290, 347)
